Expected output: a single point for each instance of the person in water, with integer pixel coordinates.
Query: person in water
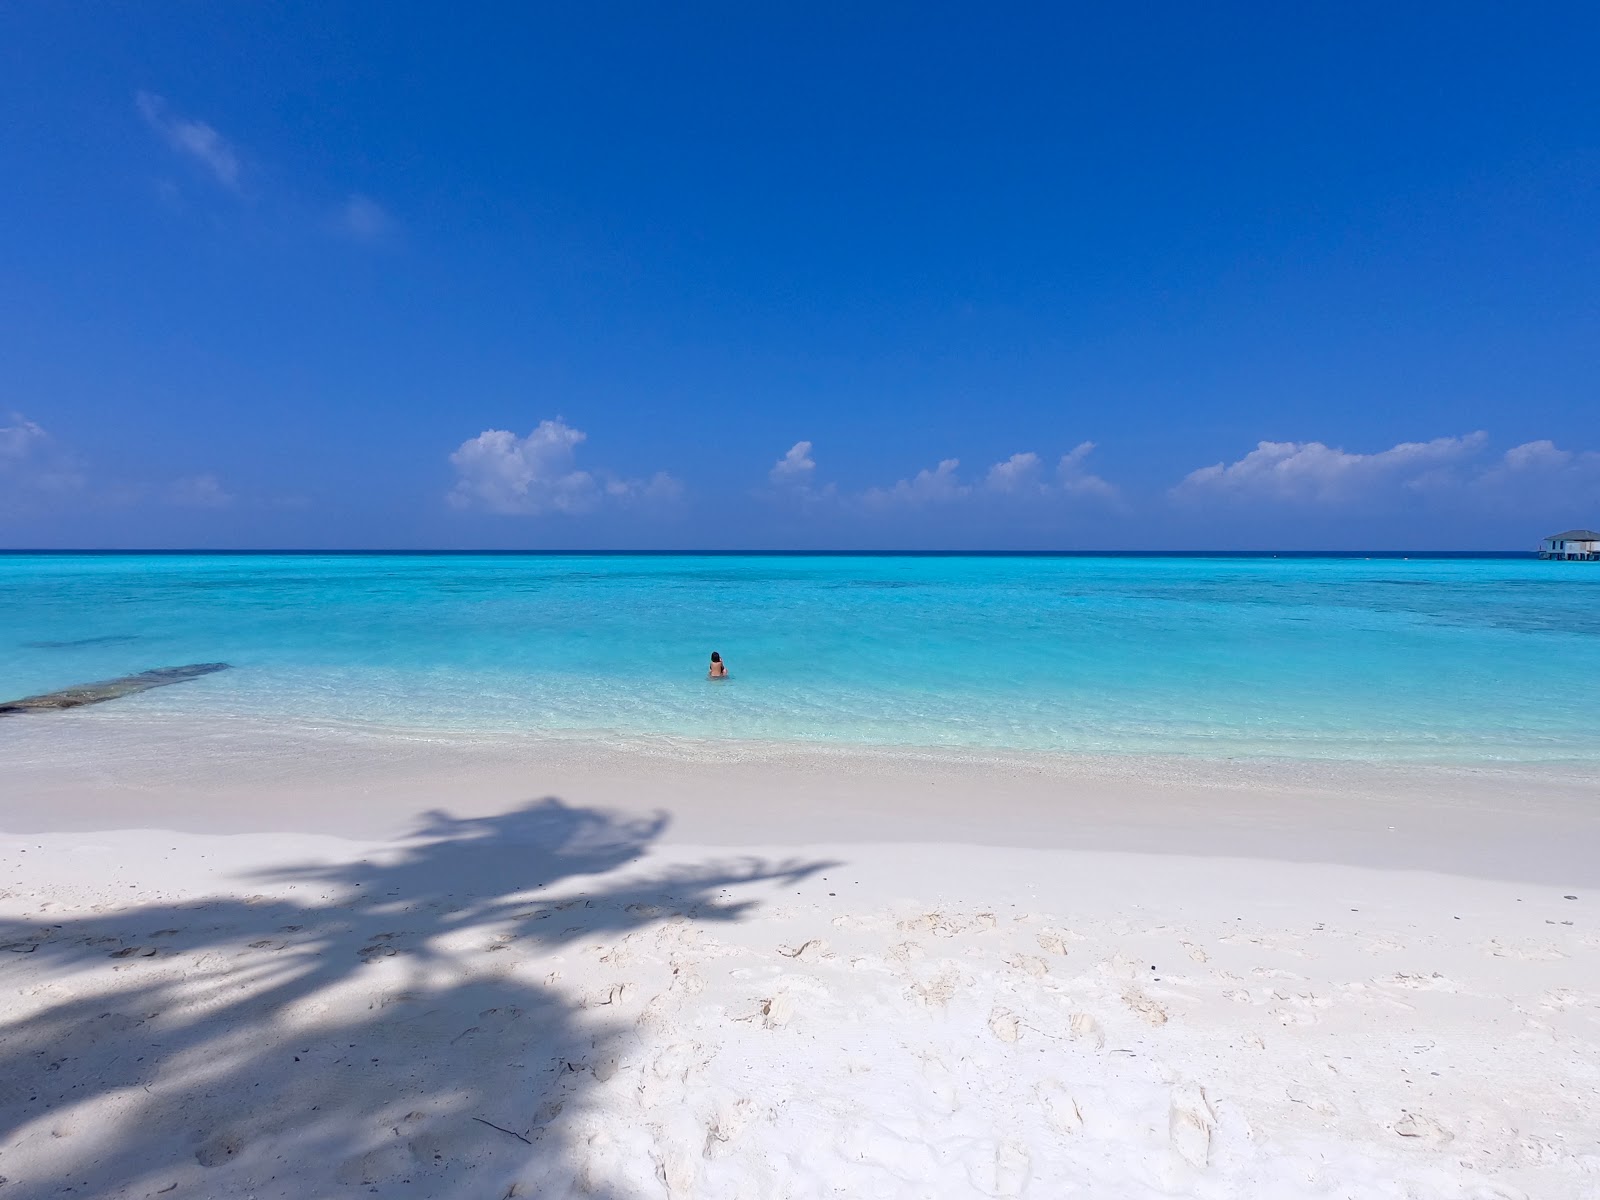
(719, 669)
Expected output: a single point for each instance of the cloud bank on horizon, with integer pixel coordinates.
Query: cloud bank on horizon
(537, 476)
(1450, 470)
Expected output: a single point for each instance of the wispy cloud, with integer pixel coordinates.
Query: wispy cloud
(499, 472)
(20, 439)
(33, 468)
(358, 217)
(37, 474)
(199, 491)
(196, 140)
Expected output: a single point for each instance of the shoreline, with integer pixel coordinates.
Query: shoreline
(1496, 821)
(123, 721)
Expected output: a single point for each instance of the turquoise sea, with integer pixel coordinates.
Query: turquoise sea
(1431, 659)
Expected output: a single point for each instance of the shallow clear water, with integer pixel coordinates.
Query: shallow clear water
(1434, 659)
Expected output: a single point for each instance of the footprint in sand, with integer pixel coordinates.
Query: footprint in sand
(1195, 952)
(678, 1170)
(667, 1071)
(1060, 1109)
(727, 1124)
(937, 992)
(491, 1022)
(1003, 1023)
(376, 951)
(657, 1016)
(1524, 951)
(906, 952)
(807, 952)
(1013, 1167)
(1085, 1028)
(777, 1011)
(1029, 964)
(218, 1149)
(614, 994)
(1423, 1129)
(686, 979)
(1190, 1123)
(1053, 940)
(1144, 1006)
(601, 1163)
(1415, 982)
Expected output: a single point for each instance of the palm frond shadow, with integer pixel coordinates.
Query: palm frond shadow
(219, 1047)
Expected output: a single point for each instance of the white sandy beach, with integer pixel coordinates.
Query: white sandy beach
(327, 967)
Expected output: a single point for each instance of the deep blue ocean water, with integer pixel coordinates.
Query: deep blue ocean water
(1423, 660)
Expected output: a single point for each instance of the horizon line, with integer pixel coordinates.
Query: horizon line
(767, 553)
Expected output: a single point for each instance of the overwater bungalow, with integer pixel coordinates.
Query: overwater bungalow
(1575, 545)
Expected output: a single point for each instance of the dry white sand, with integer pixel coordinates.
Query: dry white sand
(708, 972)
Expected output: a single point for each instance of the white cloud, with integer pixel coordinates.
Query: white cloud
(1020, 477)
(936, 486)
(1545, 458)
(1019, 473)
(795, 468)
(660, 488)
(194, 139)
(1313, 473)
(501, 473)
(1536, 478)
(1542, 475)
(199, 491)
(32, 466)
(20, 439)
(364, 218)
(1074, 477)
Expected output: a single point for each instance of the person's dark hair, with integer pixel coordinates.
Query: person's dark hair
(715, 657)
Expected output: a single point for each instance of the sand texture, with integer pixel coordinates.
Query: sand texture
(557, 997)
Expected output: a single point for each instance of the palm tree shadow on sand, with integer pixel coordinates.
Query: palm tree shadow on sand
(389, 1034)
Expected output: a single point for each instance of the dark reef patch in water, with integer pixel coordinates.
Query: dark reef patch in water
(110, 639)
(110, 689)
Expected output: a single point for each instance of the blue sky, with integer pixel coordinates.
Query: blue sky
(918, 276)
